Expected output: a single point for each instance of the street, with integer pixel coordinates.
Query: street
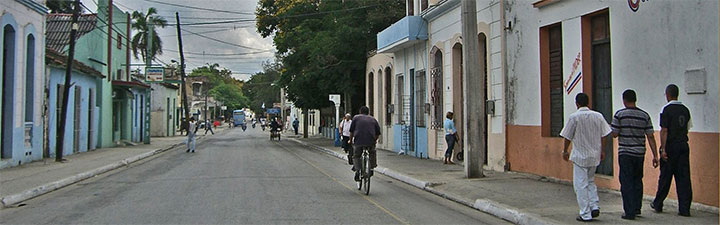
(240, 177)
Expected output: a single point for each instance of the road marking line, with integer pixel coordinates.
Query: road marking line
(376, 204)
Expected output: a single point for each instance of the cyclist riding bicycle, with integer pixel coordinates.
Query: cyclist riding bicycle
(364, 133)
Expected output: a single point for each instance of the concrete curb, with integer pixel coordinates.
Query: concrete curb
(13, 199)
(496, 209)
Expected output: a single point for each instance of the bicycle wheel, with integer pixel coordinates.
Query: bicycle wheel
(366, 174)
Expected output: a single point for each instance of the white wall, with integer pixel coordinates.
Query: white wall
(650, 48)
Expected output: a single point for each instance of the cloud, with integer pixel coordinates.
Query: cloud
(243, 33)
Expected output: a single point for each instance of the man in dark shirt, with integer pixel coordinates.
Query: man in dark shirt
(364, 132)
(631, 125)
(675, 123)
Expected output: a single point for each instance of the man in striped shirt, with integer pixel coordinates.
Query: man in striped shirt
(586, 129)
(631, 125)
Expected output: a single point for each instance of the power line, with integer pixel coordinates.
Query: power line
(224, 42)
(220, 54)
(199, 8)
(203, 32)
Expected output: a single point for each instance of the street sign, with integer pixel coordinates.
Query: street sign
(223, 107)
(154, 74)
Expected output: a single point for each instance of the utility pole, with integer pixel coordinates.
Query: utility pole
(66, 89)
(474, 130)
(186, 109)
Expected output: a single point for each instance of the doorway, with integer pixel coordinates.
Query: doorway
(76, 119)
(602, 80)
(482, 47)
(457, 93)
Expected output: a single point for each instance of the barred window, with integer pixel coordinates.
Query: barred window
(436, 93)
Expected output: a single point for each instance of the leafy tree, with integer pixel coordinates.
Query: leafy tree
(144, 23)
(262, 88)
(323, 45)
(230, 95)
(60, 6)
(222, 86)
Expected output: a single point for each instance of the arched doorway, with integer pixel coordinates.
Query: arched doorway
(8, 84)
(371, 92)
(482, 52)
(388, 96)
(457, 92)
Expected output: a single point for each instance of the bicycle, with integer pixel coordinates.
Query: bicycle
(365, 171)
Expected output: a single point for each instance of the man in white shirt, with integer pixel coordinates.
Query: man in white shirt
(345, 130)
(586, 129)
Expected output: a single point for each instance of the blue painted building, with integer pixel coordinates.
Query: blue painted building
(22, 45)
(397, 85)
(83, 115)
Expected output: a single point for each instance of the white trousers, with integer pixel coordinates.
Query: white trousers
(585, 190)
(191, 142)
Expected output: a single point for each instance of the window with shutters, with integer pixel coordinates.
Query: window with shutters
(551, 63)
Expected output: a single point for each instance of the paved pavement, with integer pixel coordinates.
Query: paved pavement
(519, 198)
(239, 178)
(29, 180)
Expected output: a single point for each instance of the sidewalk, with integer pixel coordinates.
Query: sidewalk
(518, 198)
(27, 181)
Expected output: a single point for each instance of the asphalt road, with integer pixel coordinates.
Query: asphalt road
(240, 178)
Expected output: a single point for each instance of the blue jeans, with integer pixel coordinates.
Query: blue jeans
(450, 139)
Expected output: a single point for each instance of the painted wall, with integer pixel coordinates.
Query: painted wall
(25, 21)
(85, 83)
(445, 32)
(163, 118)
(378, 64)
(643, 62)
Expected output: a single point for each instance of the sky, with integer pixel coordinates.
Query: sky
(240, 33)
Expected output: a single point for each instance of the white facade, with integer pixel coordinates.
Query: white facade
(651, 48)
(651, 44)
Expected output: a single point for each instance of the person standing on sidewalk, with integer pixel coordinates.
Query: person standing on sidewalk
(364, 132)
(296, 125)
(631, 125)
(192, 129)
(674, 123)
(208, 127)
(345, 131)
(450, 137)
(586, 129)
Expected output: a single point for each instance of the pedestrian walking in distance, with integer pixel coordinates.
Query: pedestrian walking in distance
(631, 126)
(674, 125)
(208, 127)
(450, 137)
(586, 129)
(192, 129)
(345, 132)
(296, 125)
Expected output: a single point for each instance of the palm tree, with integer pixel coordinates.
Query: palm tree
(142, 24)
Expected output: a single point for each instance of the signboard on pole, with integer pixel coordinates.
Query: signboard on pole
(223, 107)
(154, 74)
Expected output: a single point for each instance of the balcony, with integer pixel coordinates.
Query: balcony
(405, 32)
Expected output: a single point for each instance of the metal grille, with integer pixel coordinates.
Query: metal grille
(420, 98)
(436, 98)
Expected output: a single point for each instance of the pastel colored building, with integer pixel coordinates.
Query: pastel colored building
(557, 49)
(22, 36)
(81, 129)
(164, 109)
(416, 78)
